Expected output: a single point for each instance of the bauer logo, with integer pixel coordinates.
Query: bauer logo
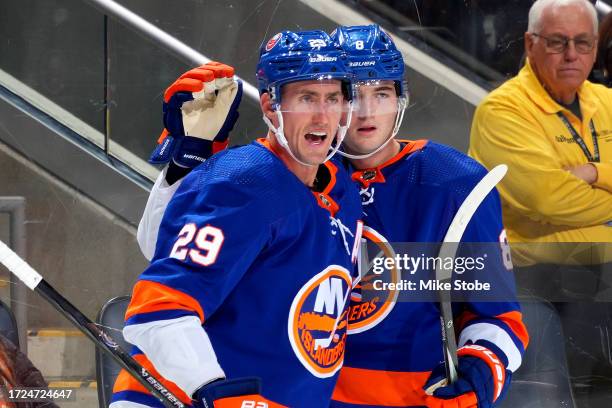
(367, 311)
(317, 321)
(273, 41)
(362, 64)
(322, 58)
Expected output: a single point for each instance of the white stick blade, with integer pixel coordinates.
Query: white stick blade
(19, 267)
(472, 202)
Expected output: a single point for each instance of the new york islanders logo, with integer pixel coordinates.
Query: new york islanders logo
(317, 321)
(369, 307)
(273, 41)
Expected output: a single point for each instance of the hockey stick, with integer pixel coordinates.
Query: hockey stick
(449, 249)
(35, 282)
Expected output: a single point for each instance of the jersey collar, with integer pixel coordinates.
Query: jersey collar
(365, 177)
(323, 198)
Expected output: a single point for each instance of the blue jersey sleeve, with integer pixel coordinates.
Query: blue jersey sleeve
(209, 236)
(493, 319)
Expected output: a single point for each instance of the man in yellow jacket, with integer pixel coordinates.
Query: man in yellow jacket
(554, 130)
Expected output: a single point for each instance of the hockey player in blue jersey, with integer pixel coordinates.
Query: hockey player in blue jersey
(244, 303)
(411, 190)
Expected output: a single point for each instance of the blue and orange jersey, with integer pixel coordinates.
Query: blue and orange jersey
(264, 264)
(393, 346)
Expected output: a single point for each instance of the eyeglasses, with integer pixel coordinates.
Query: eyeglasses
(583, 44)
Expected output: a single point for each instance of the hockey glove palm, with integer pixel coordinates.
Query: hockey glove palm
(200, 109)
(236, 393)
(483, 379)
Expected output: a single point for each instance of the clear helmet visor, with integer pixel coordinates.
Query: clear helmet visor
(377, 116)
(322, 95)
(375, 97)
(320, 110)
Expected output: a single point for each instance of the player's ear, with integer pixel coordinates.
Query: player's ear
(266, 107)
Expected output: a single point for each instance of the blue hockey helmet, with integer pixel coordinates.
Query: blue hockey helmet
(372, 54)
(373, 57)
(300, 56)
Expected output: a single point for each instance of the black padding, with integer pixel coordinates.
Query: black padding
(112, 318)
(543, 380)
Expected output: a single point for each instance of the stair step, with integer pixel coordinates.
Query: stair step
(85, 393)
(73, 384)
(61, 354)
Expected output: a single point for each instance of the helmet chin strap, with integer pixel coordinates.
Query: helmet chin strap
(399, 117)
(279, 134)
(342, 131)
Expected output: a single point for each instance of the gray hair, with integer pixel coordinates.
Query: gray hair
(535, 12)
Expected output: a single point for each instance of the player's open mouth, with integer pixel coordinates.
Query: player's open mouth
(316, 137)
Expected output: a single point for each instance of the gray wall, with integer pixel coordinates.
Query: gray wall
(56, 47)
(81, 249)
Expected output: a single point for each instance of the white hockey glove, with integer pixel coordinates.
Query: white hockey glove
(200, 109)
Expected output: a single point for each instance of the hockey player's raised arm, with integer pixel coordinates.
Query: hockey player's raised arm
(537, 185)
(148, 227)
(200, 109)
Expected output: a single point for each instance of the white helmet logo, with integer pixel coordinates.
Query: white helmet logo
(317, 43)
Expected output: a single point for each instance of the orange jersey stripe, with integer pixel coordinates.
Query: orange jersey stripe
(468, 400)
(266, 143)
(163, 136)
(411, 147)
(367, 176)
(323, 198)
(515, 321)
(246, 401)
(149, 296)
(125, 381)
(463, 319)
(377, 387)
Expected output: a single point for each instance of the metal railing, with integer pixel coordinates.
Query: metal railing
(161, 38)
(416, 59)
